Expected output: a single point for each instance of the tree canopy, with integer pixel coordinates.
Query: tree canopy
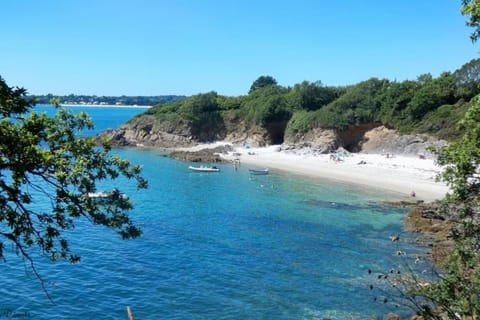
(424, 105)
(471, 8)
(41, 159)
(262, 82)
(455, 294)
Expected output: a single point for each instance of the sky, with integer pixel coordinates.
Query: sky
(185, 47)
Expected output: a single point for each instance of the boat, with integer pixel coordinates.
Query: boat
(115, 193)
(258, 172)
(204, 169)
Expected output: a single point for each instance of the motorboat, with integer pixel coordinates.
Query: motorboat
(258, 172)
(115, 193)
(204, 169)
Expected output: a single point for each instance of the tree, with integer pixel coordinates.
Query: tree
(471, 8)
(262, 82)
(457, 291)
(394, 100)
(265, 105)
(203, 116)
(311, 96)
(432, 94)
(468, 79)
(41, 159)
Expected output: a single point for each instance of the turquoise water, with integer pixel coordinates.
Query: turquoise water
(219, 246)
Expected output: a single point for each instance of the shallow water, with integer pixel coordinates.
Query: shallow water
(220, 246)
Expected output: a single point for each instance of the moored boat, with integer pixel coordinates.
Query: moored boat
(115, 193)
(204, 169)
(258, 172)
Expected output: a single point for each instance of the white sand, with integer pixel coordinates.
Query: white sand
(399, 174)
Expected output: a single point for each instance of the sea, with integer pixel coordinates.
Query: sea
(223, 245)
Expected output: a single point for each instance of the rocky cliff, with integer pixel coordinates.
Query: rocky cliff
(147, 131)
(371, 138)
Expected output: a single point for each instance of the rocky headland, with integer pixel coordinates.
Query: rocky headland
(147, 131)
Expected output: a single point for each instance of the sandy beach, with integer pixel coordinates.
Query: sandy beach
(397, 174)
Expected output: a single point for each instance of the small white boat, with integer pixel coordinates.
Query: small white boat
(258, 172)
(115, 193)
(204, 169)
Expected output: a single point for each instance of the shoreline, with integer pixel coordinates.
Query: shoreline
(398, 174)
(99, 106)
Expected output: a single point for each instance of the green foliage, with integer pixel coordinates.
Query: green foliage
(359, 104)
(431, 95)
(393, 101)
(201, 114)
(458, 289)
(44, 154)
(229, 103)
(462, 159)
(468, 79)
(471, 8)
(443, 121)
(301, 121)
(311, 96)
(266, 105)
(425, 105)
(456, 292)
(262, 82)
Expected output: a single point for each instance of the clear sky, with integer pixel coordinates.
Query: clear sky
(155, 47)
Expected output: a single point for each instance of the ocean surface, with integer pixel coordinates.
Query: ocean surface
(218, 246)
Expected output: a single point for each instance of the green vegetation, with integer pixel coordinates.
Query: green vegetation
(455, 292)
(41, 158)
(458, 289)
(425, 105)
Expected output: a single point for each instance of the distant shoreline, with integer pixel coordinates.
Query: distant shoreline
(99, 106)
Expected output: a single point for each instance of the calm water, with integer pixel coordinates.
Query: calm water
(218, 246)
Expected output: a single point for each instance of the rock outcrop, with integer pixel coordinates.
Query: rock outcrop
(203, 155)
(435, 230)
(321, 140)
(369, 138)
(146, 130)
(384, 140)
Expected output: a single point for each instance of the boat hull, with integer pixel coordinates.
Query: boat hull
(203, 169)
(259, 172)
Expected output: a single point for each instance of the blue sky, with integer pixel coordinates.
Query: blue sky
(155, 47)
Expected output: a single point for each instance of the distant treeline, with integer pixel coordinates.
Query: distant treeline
(108, 100)
(425, 105)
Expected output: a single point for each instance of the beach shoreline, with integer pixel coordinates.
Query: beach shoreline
(412, 178)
